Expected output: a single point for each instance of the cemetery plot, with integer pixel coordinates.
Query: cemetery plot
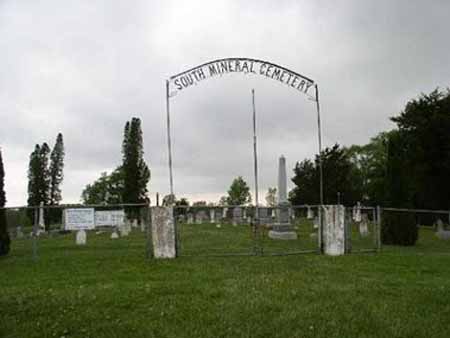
(77, 231)
(214, 231)
(302, 221)
(362, 229)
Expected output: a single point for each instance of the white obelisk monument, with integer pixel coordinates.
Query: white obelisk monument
(282, 229)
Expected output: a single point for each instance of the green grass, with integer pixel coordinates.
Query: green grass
(109, 289)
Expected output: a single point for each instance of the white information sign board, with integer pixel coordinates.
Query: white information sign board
(77, 219)
(112, 218)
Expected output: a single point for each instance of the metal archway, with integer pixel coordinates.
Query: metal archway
(219, 67)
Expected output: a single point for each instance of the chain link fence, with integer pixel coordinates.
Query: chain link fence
(72, 231)
(69, 232)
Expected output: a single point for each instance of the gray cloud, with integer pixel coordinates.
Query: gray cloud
(84, 68)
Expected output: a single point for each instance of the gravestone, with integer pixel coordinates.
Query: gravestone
(263, 214)
(81, 237)
(163, 232)
(441, 233)
(334, 243)
(237, 216)
(125, 229)
(357, 212)
(190, 218)
(19, 232)
(364, 226)
(200, 217)
(212, 216)
(283, 228)
(114, 234)
(310, 213)
(218, 215)
(224, 213)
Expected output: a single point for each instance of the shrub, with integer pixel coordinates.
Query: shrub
(4, 236)
(399, 228)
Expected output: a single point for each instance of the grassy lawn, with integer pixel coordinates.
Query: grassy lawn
(109, 289)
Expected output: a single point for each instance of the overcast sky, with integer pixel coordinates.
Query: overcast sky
(84, 68)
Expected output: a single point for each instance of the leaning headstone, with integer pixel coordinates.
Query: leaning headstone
(334, 230)
(81, 237)
(283, 228)
(364, 226)
(163, 232)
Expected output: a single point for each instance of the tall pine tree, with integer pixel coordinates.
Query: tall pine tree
(39, 178)
(135, 170)
(4, 236)
(56, 170)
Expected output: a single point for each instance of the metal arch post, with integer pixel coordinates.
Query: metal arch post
(169, 140)
(319, 129)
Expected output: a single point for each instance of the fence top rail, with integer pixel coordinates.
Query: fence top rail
(428, 211)
(77, 206)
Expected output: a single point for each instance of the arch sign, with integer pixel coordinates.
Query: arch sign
(217, 68)
(221, 67)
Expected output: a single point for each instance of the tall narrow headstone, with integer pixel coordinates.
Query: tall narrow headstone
(41, 219)
(334, 230)
(282, 229)
(212, 215)
(163, 232)
(309, 213)
(364, 226)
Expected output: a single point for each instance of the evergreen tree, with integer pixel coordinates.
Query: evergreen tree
(135, 170)
(56, 170)
(33, 173)
(4, 236)
(39, 178)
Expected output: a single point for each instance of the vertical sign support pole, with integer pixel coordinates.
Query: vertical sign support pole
(255, 157)
(169, 141)
(319, 134)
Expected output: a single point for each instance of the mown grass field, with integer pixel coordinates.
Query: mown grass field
(109, 289)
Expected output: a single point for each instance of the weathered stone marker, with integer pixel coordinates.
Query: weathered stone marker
(163, 232)
(81, 237)
(237, 216)
(19, 232)
(212, 215)
(309, 213)
(334, 230)
(282, 229)
(364, 226)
